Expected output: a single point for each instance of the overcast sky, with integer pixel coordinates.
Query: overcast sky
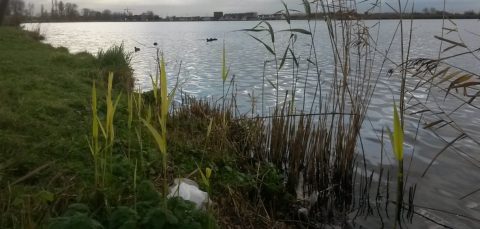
(206, 7)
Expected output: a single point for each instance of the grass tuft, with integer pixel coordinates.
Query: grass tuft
(117, 60)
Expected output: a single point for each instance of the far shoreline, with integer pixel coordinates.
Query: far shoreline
(367, 19)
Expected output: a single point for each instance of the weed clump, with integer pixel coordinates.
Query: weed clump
(36, 35)
(117, 60)
(148, 213)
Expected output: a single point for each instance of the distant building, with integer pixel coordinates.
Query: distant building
(241, 16)
(148, 16)
(195, 18)
(276, 16)
(217, 15)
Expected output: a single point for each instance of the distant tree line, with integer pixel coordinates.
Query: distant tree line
(427, 13)
(16, 11)
(61, 11)
(3, 10)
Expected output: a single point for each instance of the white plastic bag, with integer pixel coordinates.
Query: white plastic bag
(188, 190)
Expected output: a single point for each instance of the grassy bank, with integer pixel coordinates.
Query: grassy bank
(48, 171)
(44, 110)
(44, 103)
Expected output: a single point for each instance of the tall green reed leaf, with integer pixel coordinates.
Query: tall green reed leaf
(164, 97)
(224, 64)
(130, 109)
(102, 151)
(159, 139)
(397, 135)
(397, 139)
(94, 148)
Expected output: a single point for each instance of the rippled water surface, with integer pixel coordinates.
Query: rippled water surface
(198, 67)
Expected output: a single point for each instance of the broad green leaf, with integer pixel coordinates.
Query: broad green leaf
(397, 134)
(101, 128)
(163, 92)
(161, 143)
(208, 172)
(204, 178)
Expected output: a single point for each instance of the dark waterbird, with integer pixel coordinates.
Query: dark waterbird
(155, 43)
(137, 49)
(211, 39)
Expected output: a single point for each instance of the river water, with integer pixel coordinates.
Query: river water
(197, 65)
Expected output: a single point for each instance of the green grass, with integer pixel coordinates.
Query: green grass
(44, 118)
(44, 100)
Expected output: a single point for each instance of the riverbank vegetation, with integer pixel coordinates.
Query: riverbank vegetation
(84, 148)
(60, 171)
(122, 148)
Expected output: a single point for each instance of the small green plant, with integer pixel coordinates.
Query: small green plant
(148, 213)
(102, 150)
(206, 181)
(161, 137)
(94, 144)
(36, 33)
(224, 77)
(206, 177)
(76, 216)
